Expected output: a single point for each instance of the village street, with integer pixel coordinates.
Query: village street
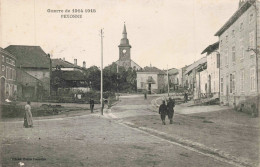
(131, 134)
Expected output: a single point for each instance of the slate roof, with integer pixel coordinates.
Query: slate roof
(29, 56)
(211, 48)
(173, 71)
(63, 63)
(196, 64)
(6, 53)
(152, 69)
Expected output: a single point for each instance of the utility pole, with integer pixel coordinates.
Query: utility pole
(101, 85)
(256, 54)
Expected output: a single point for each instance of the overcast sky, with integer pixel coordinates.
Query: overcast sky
(161, 32)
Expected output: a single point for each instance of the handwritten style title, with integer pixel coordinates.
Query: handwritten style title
(72, 13)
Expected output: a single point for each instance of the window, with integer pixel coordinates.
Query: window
(14, 74)
(221, 85)
(251, 17)
(251, 40)
(231, 83)
(226, 38)
(3, 67)
(242, 52)
(233, 33)
(3, 59)
(242, 80)
(252, 79)
(11, 73)
(142, 85)
(233, 53)
(226, 57)
(241, 27)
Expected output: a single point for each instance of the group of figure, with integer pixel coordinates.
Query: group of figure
(167, 110)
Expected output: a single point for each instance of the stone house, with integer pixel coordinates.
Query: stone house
(212, 54)
(35, 62)
(174, 82)
(239, 57)
(191, 73)
(8, 82)
(151, 79)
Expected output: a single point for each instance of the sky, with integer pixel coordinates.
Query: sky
(163, 33)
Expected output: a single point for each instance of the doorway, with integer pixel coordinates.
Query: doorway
(2, 86)
(149, 88)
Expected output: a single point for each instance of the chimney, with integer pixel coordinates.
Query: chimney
(241, 3)
(75, 62)
(84, 64)
(63, 58)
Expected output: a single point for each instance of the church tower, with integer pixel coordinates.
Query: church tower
(124, 51)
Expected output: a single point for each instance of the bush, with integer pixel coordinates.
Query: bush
(12, 110)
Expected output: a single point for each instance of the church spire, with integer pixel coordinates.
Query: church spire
(124, 32)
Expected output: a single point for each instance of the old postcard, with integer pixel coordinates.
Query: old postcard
(152, 83)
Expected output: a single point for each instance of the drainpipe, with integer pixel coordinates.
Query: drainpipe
(256, 55)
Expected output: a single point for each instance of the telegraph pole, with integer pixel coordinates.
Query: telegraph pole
(101, 85)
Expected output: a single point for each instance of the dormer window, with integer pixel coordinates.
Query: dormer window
(241, 27)
(226, 38)
(251, 17)
(233, 33)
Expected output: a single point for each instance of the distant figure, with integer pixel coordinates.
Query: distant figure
(145, 95)
(28, 122)
(185, 97)
(170, 109)
(163, 112)
(91, 103)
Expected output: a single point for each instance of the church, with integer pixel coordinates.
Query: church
(125, 53)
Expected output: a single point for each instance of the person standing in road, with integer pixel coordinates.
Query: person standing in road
(91, 103)
(170, 109)
(28, 122)
(163, 112)
(185, 97)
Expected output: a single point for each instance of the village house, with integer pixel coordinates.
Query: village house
(151, 79)
(62, 64)
(201, 84)
(183, 78)
(68, 77)
(191, 73)
(212, 70)
(8, 82)
(34, 61)
(239, 57)
(173, 74)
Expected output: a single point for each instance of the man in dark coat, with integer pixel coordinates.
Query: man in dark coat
(185, 97)
(91, 103)
(163, 111)
(170, 109)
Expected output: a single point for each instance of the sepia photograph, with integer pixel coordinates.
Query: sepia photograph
(129, 83)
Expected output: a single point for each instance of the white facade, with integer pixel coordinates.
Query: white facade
(213, 73)
(142, 78)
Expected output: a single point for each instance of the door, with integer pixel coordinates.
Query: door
(2, 86)
(227, 90)
(149, 88)
(209, 85)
